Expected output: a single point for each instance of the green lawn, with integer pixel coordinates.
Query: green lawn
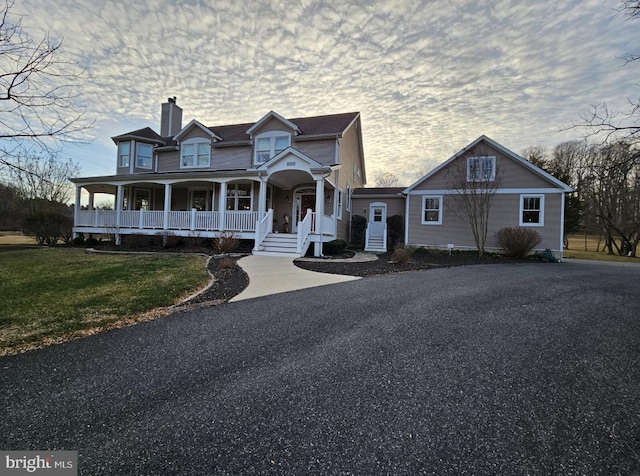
(49, 294)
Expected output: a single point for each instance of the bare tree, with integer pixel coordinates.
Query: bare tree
(474, 188)
(43, 186)
(610, 125)
(386, 179)
(38, 106)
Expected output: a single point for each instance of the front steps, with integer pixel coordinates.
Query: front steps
(375, 243)
(279, 244)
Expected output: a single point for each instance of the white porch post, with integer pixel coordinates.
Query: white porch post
(222, 203)
(91, 200)
(119, 198)
(317, 247)
(167, 206)
(76, 210)
(262, 199)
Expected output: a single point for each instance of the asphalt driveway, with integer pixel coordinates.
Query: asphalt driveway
(496, 369)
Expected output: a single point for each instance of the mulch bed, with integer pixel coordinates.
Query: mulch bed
(230, 280)
(418, 261)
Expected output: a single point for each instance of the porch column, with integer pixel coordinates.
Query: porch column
(317, 250)
(76, 210)
(222, 203)
(91, 200)
(119, 197)
(167, 206)
(262, 199)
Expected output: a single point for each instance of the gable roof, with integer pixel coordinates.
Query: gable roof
(331, 125)
(533, 168)
(194, 123)
(274, 115)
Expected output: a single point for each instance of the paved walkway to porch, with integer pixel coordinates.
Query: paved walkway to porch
(273, 275)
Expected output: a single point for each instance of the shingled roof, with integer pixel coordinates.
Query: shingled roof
(332, 124)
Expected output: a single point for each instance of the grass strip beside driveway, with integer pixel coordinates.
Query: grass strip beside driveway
(49, 294)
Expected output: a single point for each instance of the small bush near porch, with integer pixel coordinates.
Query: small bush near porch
(51, 294)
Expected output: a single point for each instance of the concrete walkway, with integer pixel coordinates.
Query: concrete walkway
(273, 275)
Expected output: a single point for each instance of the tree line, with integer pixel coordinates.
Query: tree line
(606, 183)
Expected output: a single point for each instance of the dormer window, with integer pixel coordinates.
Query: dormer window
(270, 144)
(124, 151)
(143, 155)
(195, 153)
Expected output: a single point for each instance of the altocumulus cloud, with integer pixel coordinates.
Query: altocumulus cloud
(428, 77)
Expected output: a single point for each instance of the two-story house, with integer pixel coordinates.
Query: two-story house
(284, 183)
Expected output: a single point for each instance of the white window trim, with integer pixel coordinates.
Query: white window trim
(195, 141)
(531, 195)
(142, 144)
(120, 156)
(348, 206)
(423, 209)
(493, 168)
(208, 200)
(272, 136)
(234, 186)
(339, 203)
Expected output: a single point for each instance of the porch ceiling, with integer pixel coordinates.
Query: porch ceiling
(289, 179)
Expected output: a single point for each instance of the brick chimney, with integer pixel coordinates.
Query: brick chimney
(170, 118)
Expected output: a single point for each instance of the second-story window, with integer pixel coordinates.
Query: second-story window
(270, 144)
(195, 153)
(124, 152)
(144, 153)
(481, 169)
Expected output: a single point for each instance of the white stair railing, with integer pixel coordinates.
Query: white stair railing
(304, 230)
(263, 228)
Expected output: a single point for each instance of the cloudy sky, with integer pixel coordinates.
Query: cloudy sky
(427, 76)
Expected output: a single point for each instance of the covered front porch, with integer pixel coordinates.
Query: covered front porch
(283, 212)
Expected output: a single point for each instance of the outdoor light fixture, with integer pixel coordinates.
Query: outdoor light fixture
(287, 198)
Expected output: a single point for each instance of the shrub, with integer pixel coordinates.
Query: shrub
(401, 255)
(395, 230)
(334, 247)
(226, 243)
(78, 240)
(91, 241)
(517, 242)
(358, 230)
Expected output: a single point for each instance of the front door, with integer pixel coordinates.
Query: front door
(377, 220)
(307, 201)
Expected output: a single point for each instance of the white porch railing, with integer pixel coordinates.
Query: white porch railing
(304, 231)
(264, 227)
(178, 220)
(375, 230)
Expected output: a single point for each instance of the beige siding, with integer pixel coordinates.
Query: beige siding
(272, 124)
(350, 153)
(504, 212)
(230, 158)
(322, 151)
(168, 161)
(511, 173)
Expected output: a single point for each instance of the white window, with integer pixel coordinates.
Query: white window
(200, 200)
(195, 153)
(339, 204)
(143, 156)
(531, 210)
(270, 144)
(124, 152)
(239, 196)
(481, 169)
(432, 210)
(142, 200)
